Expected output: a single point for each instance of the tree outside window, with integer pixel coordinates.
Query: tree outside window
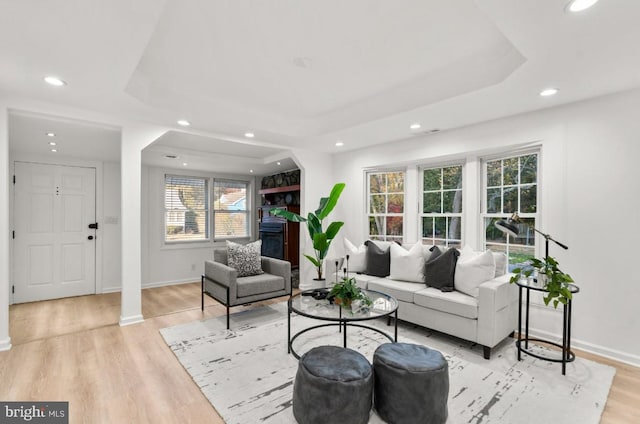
(186, 202)
(511, 186)
(441, 206)
(386, 205)
(231, 215)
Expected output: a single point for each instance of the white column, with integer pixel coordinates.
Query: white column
(5, 340)
(134, 139)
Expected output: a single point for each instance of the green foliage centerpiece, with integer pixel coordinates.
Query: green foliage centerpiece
(321, 238)
(346, 292)
(554, 281)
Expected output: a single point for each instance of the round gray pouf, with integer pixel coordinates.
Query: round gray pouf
(411, 384)
(333, 385)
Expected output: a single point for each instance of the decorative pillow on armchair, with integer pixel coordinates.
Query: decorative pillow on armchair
(440, 268)
(245, 258)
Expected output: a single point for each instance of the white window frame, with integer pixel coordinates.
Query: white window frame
(167, 212)
(484, 215)
(421, 214)
(368, 214)
(247, 212)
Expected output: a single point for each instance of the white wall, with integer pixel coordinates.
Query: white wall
(589, 184)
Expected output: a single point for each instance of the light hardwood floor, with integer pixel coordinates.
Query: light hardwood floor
(74, 350)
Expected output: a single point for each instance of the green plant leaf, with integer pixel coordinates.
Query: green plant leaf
(333, 228)
(320, 243)
(313, 225)
(323, 202)
(327, 207)
(313, 260)
(288, 215)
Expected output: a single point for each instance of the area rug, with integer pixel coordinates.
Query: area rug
(248, 376)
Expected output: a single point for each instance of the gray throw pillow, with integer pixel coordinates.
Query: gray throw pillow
(245, 258)
(378, 260)
(440, 268)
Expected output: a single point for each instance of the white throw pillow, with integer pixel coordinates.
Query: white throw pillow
(501, 263)
(426, 248)
(357, 256)
(407, 265)
(473, 269)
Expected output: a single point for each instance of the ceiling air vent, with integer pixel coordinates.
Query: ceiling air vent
(426, 132)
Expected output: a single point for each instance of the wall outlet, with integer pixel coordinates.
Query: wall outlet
(193, 267)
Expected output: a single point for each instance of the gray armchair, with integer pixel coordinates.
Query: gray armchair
(222, 283)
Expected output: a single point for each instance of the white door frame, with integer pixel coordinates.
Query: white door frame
(48, 160)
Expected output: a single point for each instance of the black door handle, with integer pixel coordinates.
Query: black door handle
(90, 237)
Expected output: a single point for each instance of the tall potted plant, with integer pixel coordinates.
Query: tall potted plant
(321, 238)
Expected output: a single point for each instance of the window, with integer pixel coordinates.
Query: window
(230, 212)
(511, 186)
(186, 202)
(441, 207)
(385, 205)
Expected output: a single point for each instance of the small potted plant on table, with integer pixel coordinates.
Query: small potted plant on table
(550, 277)
(346, 293)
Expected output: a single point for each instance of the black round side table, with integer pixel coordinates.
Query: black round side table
(566, 354)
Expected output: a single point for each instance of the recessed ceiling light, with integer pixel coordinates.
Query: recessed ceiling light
(251, 171)
(278, 163)
(339, 144)
(54, 150)
(549, 92)
(580, 5)
(184, 123)
(50, 134)
(52, 143)
(249, 135)
(415, 126)
(184, 164)
(54, 81)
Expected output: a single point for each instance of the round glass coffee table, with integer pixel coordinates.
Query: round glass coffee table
(303, 304)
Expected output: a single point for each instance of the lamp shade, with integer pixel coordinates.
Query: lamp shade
(508, 226)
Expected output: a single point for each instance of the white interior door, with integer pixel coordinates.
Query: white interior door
(54, 248)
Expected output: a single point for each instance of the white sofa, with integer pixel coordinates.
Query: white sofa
(486, 319)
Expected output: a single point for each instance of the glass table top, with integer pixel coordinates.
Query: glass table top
(383, 305)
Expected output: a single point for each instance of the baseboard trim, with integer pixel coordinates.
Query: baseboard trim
(135, 319)
(116, 289)
(169, 283)
(604, 352)
(111, 290)
(5, 344)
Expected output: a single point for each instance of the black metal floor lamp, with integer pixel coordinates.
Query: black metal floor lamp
(509, 227)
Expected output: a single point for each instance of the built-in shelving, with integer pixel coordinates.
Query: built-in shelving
(279, 189)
